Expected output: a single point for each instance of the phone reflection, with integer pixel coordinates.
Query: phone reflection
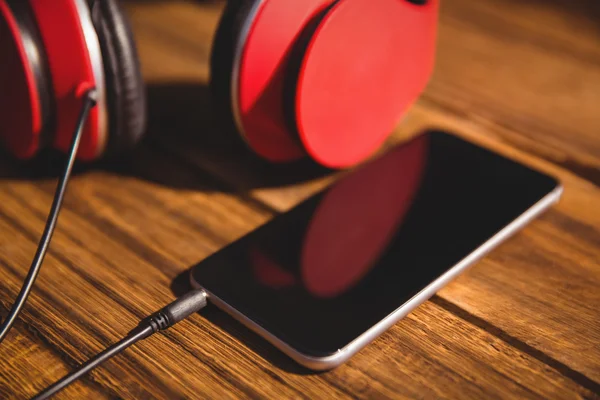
(349, 230)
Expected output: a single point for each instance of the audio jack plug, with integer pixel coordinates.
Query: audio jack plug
(178, 310)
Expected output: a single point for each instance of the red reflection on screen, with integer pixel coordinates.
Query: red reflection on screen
(358, 217)
(268, 272)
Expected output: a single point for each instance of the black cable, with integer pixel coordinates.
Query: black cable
(178, 310)
(88, 103)
(97, 360)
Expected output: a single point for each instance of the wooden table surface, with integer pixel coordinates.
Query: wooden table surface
(521, 77)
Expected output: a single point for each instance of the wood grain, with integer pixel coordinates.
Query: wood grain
(522, 323)
(527, 70)
(24, 354)
(568, 263)
(433, 340)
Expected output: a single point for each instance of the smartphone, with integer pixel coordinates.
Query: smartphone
(324, 279)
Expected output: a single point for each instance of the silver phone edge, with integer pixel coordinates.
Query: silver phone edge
(345, 353)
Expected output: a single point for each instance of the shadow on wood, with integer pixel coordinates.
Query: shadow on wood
(183, 132)
(184, 121)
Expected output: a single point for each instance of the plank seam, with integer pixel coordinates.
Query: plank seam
(518, 344)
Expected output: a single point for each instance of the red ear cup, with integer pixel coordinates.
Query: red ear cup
(24, 92)
(262, 50)
(74, 59)
(366, 61)
(54, 50)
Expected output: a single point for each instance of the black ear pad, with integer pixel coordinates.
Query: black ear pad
(125, 91)
(223, 50)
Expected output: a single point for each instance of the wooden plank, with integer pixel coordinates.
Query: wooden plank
(177, 35)
(120, 232)
(81, 325)
(529, 73)
(33, 365)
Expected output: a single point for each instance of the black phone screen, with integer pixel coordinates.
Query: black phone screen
(323, 273)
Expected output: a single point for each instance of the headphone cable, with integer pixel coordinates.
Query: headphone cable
(89, 102)
(178, 310)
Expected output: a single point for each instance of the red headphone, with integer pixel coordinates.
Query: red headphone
(328, 79)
